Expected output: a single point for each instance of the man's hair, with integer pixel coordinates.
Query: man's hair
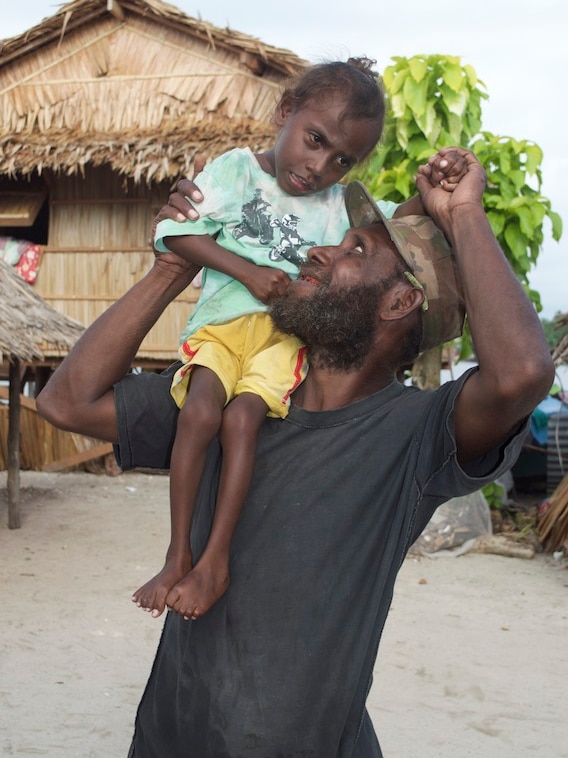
(354, 81)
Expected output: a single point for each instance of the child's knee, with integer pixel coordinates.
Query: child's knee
(203, 416)
(243, 415)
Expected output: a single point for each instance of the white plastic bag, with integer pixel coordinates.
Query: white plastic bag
(455, 522)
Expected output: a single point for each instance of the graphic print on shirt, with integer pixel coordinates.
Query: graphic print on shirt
(290, 240)
(255, 220)
(258, 222)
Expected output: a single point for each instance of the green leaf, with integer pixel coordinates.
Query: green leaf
(421, 148)
(399, 81)
(388, 78)
(403, 185)
(527, 220)
(534, 296)
(471, 75)
(456, 102)
(517, 243)
(556, 224)
(455, 129)
(429, 124)
(497, 223)
(415, 94)
(505, 162)
(402, 133)
(398, 105)
(534, 158)
(418, 68)
(453, 74)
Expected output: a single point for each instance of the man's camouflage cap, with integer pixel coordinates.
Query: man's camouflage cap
(426, 252)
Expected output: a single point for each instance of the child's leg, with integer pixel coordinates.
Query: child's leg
(209, 579)
(198, 422)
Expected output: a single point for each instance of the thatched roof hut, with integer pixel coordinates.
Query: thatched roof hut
(104, 105)
(30, 329)
(136, 85)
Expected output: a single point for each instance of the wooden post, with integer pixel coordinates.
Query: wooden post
(15, 380)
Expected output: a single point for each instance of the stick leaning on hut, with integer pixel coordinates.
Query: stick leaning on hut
(29, 328)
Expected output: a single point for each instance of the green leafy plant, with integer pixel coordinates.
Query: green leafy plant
(434, 101)
(493, 493)
(513, 201)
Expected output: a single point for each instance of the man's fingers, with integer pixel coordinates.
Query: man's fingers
(198, 164)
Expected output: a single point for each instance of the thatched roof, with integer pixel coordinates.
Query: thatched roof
(136, 84)
(30, 329)
(560, 352)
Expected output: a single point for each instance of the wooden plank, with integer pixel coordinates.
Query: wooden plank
(25, 402)
(20, 208)
(73, 460)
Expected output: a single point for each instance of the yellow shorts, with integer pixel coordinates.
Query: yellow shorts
(248, 355)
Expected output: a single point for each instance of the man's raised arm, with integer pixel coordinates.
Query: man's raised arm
(515, 367)
(79, 396)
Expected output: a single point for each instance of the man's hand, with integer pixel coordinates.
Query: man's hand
(462, 184)
(179, 207)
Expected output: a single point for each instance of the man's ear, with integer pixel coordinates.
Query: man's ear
(401, 300)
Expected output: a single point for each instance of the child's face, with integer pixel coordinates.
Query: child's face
(314, 150)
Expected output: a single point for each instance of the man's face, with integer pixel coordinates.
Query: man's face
(333, 305)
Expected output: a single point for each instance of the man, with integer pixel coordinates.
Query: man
(282, 665)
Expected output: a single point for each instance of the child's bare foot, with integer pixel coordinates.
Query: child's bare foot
(152, 595)
(197, 592)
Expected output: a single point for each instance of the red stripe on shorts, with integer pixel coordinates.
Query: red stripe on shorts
(300, 358)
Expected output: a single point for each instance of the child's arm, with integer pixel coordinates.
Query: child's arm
(445, 171)
(262, 281)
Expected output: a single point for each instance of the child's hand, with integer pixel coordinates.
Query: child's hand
(440, 202)
(446, 169)
(265, 282)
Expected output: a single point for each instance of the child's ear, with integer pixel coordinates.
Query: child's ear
(400, 301)
(282, 111)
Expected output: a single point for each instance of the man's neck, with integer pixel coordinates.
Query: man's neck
(325, 390)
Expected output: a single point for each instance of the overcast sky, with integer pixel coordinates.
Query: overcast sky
(518, 48)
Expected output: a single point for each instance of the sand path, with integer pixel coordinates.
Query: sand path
(474, 658)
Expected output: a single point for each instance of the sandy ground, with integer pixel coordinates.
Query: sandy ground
(474, 658)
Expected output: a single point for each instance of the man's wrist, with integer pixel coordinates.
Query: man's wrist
(172, 276)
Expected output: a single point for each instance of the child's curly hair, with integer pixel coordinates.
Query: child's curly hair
(354, 80)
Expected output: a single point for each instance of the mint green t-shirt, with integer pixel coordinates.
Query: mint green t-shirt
(255, 219)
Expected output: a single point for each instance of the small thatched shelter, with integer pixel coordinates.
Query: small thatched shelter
(30, 330)
(104, 105)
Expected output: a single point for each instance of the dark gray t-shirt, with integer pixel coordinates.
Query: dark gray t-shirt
(282, 664)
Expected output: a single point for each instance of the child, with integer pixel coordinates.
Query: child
(267, 210)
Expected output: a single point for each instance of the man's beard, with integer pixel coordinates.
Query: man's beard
(336, 324)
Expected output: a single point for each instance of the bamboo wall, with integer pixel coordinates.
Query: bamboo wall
(45, 448)
(99, 246)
